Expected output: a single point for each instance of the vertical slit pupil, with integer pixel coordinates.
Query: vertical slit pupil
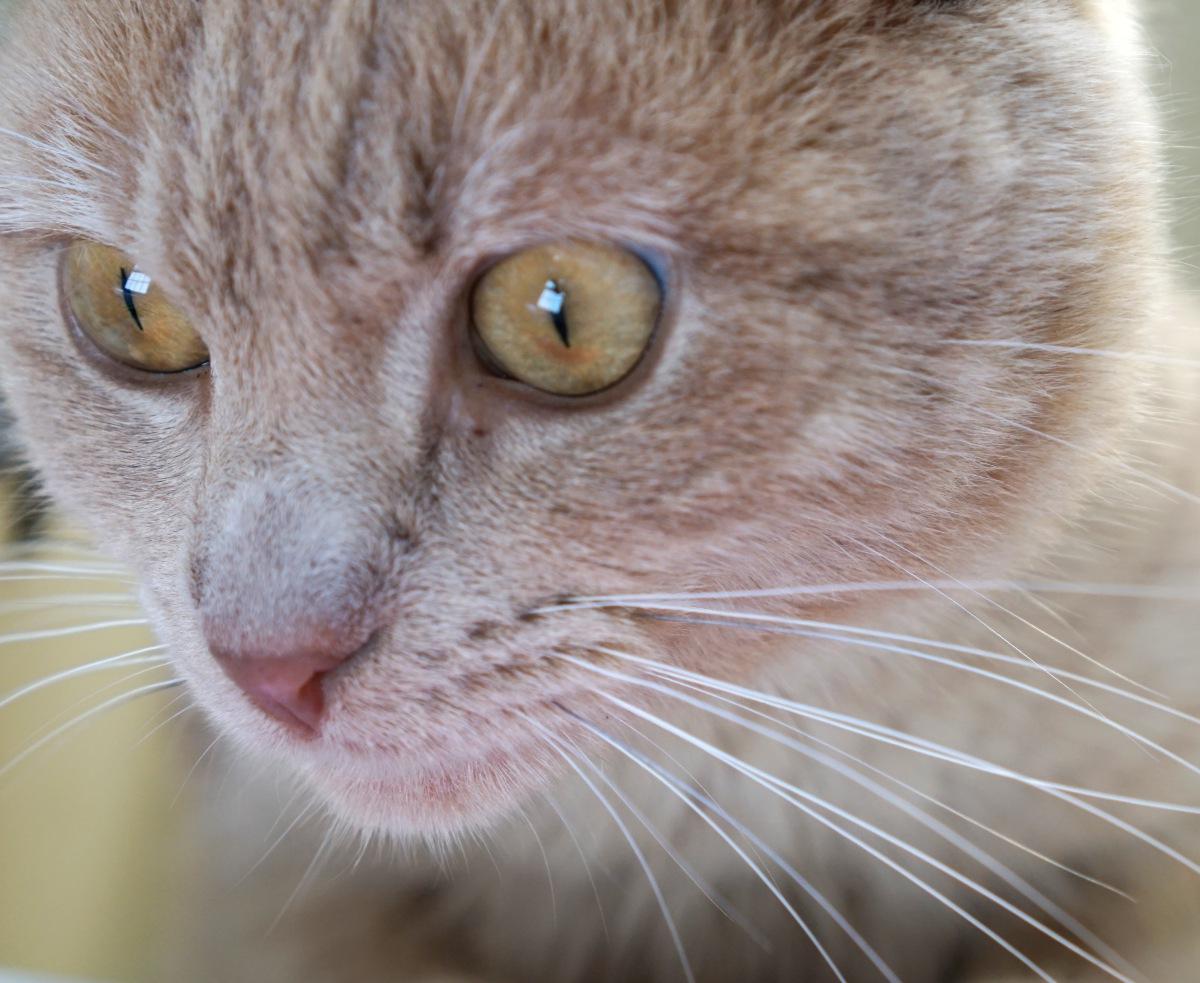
(554, 301)
(127, 296)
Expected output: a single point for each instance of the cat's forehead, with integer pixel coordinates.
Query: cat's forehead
(241, 142)
(420, 127)
(408, 125)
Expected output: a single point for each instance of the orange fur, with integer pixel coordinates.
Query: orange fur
(839, 193)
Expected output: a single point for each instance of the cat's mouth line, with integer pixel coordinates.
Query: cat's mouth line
(478, 731)
(453, 753)
(456, 779)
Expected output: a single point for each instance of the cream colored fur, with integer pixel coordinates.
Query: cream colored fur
(841, 193)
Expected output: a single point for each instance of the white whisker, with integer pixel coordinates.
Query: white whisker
(297, 791)
(545, 863)
(36, 636)
(690, 796)
(1084, 588)
(920, 746)
(695, 783)
(1148, 357)
(363, 846)
(125, 659)
(89, 715)
(305, 880)
(101, 571)
(1140, 834)
(176, 715)
(950, 663)
(191, 771)
(901, 739)
(633, 845)
(300, 817)
(713, 896)
(991, 629)
(832, 631)
(943, 831)
(73, 601)
(1125, 466)
(991, 602)
(587, 867)
(745, 707)
(776, 788)
(149, 669)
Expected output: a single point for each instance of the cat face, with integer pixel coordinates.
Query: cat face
(826, 199)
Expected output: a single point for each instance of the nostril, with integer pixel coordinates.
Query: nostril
(288, 689)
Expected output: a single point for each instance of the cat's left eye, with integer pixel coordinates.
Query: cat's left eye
(125, 313)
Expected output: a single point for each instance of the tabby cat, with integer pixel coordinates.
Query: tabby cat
(714, 484)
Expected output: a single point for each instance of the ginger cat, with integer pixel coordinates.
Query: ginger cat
(733, 463)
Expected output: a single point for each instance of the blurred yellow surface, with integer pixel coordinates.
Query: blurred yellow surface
(85, 821)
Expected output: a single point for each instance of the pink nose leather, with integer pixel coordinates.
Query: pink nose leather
(287, 688)
(285, 581)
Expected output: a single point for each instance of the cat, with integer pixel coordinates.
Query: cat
(735, 458)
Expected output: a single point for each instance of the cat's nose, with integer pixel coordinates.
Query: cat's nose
(286, 581)
(287, 686)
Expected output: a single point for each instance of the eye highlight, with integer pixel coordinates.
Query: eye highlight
(569, 318)
(124, 312)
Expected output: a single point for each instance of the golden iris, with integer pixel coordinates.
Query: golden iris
(125, 313)
(569, 318)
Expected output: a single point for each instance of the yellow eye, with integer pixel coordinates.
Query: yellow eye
(569, 318)
(125, 314)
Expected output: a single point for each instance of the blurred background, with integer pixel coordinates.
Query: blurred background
(1174, 29)
(90, 818)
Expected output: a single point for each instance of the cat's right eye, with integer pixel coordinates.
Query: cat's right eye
(567, 318)
(125, 314)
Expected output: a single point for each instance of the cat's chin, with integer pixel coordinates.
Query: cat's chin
(433, 801)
